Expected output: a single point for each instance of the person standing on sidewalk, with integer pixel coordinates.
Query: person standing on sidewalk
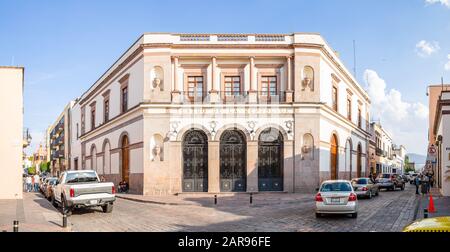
(425, 184)
(28, 181)
(36, 182)
(417, 183)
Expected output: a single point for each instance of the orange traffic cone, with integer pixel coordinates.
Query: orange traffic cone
(431, 205)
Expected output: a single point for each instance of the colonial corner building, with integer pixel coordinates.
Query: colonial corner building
(223, 113)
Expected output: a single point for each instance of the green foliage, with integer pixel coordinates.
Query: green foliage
(45, 167)
(32, 170)
(408, 166)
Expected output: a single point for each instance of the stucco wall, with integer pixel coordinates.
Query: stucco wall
(11, 107)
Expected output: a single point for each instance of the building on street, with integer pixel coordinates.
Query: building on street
(58, 140)
(434, 93)
(11, 135)
(381, 152)
(399, 154)
(441, 131)
(223, 113)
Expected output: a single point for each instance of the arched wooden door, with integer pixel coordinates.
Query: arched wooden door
(270, 160)
(195, 161)
(334, 157)
(358, 161)
(125, 159)
(233, 161)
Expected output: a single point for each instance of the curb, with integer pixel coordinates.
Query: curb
(155, 202)
(418, 204)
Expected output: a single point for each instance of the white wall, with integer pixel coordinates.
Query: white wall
(11, 130)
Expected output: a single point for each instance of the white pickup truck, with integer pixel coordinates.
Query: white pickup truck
(77, 189)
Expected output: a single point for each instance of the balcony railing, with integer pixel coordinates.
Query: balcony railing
(235, 97)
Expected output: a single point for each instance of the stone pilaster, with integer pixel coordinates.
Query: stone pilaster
(252, 166)
(214, 166)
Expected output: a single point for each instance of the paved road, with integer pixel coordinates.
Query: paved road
(391, 211)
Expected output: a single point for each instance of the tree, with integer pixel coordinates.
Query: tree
(408, 166)
(45, 167)
(32, 170)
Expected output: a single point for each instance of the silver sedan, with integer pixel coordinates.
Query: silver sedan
(365, 187)
(336, 197)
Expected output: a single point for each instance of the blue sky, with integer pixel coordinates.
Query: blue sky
(66, 45)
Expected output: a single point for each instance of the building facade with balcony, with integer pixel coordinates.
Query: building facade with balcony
(381, 154)
(223, 113)
(58, 142)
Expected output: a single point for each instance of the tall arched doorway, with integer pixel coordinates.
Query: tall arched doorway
(125, 149)
(195, 161)
(270, 160)
(233, 161)
(94, 158)
(334, 157)
(358, 161)
(106, 158)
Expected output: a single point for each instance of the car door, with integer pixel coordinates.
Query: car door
(58, 187)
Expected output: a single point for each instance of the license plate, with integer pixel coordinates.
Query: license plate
(93, 202)
(335, 200)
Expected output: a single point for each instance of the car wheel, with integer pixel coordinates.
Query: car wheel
(318, 215)
(107, 208)
(354, 215)
(403, 187)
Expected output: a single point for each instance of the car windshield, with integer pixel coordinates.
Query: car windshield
(385, 176)
(80, 177)
(52, 181)
(336, 187)
(360, 182)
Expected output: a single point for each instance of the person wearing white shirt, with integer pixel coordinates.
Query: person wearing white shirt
(28, 182)
(36, 183)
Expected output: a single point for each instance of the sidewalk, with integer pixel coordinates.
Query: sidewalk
(34, 213)
(223, 199)
(441, 204)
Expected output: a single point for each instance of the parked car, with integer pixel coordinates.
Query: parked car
(336, 197)
(82, 188)
(48, 187)
(404, 178)
(365, 187)
(390, 181)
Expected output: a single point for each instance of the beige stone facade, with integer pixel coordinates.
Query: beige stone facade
(223, 113)
(11, 133)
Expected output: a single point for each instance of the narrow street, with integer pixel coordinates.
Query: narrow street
(390, 211)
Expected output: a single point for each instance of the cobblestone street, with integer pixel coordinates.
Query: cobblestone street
(391, 211)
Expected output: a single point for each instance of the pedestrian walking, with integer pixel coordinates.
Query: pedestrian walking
(417, 183)
(36, 183)
(29, 183)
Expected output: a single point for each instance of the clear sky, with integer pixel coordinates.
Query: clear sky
(66, 45)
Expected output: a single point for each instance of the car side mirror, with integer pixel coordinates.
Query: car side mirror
(317, 189)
